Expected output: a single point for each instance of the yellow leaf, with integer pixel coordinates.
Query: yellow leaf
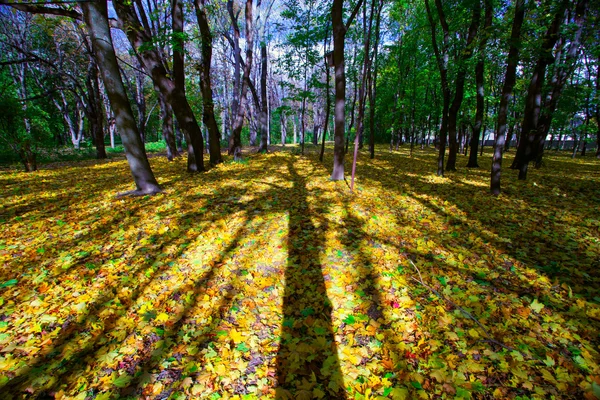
(235, 336)
(162, 317)
(473, 333)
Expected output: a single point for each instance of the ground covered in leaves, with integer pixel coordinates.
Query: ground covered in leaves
(264, 279)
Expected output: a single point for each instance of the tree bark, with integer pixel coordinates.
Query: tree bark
(526, 151)
(235, 144)
(479, 84)
(460, 85)
(339, 35)
(174, 94)
(166, 116)
(208, 105)
(264, 105)
(96, 18)
(327, 94)
(373, 86)
(509, 82)
(442, 62)
(562, 72)
(598, 107)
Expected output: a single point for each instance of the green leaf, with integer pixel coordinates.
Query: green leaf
(349, 320)
(416, 385)
(11, 282)
(122, 381)
(308, 311)
(462, 393)
(242, 347)
(319, 330)
(596, 389)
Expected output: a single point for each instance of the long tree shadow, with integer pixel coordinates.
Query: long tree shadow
(307, 358)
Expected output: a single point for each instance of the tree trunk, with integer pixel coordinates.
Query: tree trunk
(95, 14)
(479, 84)
(235, 144)
(327, 94)
(174, 93)
(527, 148)
(442, 62)
(460, 85)
(283, 121)
(208, 106)
(166, 116)
(339, 34)
(562, 72)
(509, 82)
(373, 87)
(367, 26)
(598, 107)
(264, 106)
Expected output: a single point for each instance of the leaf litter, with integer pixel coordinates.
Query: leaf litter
(265, 279)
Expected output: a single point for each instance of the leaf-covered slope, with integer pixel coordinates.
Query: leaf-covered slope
(265, 279)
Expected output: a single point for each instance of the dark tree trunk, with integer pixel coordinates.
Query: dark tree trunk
(509, 82)
(527, 148)
(174, 94)
(460, 86)
(352, 109)
(95, 15)
(235, 144)
(264, 106)
(479, 79)
(208, 105)
(27, 156)
(339, 35)
(373, 86)
(95, 112)
(166, 116)
(562, 72)
(327, 94)
(366, 68)
(442, 62)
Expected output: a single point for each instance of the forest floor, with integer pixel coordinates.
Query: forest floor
(265, 279)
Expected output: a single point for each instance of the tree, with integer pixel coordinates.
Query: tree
(339, 36)
(479, 83)
(527, 149)
(208, 106)
(140, 38)
(509, 82)
(95, 15)
(239, 109)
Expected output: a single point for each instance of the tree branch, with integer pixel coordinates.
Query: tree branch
(353, 15)
(40, 9)
(19, 61)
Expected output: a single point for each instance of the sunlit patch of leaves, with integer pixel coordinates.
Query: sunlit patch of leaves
(181, 294)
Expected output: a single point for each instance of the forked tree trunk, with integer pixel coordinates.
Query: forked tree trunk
(174, 94)
(235, 146)
(95, 15)
(526, 150)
